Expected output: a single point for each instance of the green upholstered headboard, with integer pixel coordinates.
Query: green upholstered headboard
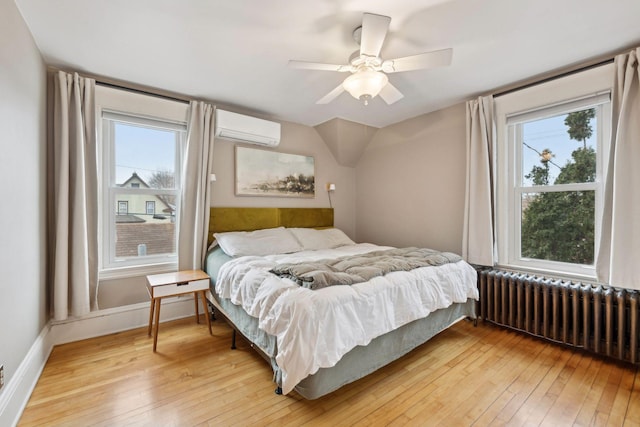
(249, 219)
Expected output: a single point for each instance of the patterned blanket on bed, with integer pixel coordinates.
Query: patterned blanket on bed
(361, 268)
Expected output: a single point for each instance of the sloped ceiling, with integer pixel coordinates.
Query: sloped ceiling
(236, 52)
(347, 140)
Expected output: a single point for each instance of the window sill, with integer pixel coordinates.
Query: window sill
(588, 276)
(137, 270)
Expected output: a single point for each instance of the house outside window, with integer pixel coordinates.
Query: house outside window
(142, 140)
(552, 149)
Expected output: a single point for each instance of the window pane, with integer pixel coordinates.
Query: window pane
(560, 149)
(140, 232)
(145, 157)
(558, 226)
(123, 207)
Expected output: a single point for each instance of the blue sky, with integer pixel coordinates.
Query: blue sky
(550, 133)
(143, 150)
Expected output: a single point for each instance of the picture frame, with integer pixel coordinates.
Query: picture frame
(273, 174)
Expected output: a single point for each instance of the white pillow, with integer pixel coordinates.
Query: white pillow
(312, 239)
(260, 242)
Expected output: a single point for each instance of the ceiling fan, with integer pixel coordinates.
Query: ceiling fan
(368, 71)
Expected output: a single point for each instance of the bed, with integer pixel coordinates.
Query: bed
(317, 340)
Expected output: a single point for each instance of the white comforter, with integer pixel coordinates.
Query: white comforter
(314, 329)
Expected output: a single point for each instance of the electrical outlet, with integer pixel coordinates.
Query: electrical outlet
(1, 376)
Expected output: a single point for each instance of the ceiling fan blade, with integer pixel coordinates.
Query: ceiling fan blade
(331, 95)
(374, 31)
(304, 65)
(390, 94)
(437, 58)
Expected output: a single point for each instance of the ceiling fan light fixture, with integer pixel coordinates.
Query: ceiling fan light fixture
(365, 84)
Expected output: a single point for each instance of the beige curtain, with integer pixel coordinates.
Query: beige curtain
(72, 195)
(478, 233)
(196, 194)
(617, 261)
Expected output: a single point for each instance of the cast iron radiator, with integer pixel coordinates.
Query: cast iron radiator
(599, 319)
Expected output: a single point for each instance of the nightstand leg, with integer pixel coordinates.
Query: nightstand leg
(155, 333)
(151, 309)
(195, 298)
(204, 304)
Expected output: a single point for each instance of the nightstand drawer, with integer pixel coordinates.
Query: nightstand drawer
(180, 288)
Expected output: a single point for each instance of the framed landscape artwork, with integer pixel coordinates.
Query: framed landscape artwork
(268, 173)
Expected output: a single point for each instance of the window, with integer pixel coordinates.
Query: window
(144, 162)
(552, 149)
(142, 140)
(151, 207)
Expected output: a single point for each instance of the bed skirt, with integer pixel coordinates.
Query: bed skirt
(361, 360)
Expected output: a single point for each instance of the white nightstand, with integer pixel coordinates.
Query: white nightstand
(172, 284)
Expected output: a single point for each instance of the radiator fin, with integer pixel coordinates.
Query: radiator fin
(599, 319)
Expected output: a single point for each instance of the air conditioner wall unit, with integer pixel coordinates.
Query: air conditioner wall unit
(247, 129)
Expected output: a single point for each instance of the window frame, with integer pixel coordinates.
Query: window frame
(124, 203)
(151, 203)
(571, 93)
(141, 109)
(112, 190)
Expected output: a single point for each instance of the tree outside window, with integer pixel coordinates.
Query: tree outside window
(560, 225)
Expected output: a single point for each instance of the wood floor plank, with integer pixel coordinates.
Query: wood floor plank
(466, 375)
(622, 401)
(587, 413)
(510, 402)
(536, 406)
(632, 417)
(570, 399)
(473, 396)
(603, 410)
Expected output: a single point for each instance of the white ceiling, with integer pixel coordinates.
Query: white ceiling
(235, 52)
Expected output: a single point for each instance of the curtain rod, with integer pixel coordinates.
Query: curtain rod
(557, 76)
(141, 91)
(115, 84)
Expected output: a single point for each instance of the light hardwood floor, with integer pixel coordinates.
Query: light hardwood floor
(464, 376)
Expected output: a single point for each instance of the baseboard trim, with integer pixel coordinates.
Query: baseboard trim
(112, 320)
(16, 393)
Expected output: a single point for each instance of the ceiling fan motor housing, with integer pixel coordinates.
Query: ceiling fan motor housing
(358, 60)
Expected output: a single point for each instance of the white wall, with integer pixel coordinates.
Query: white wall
(23, 311)
(410, 183)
